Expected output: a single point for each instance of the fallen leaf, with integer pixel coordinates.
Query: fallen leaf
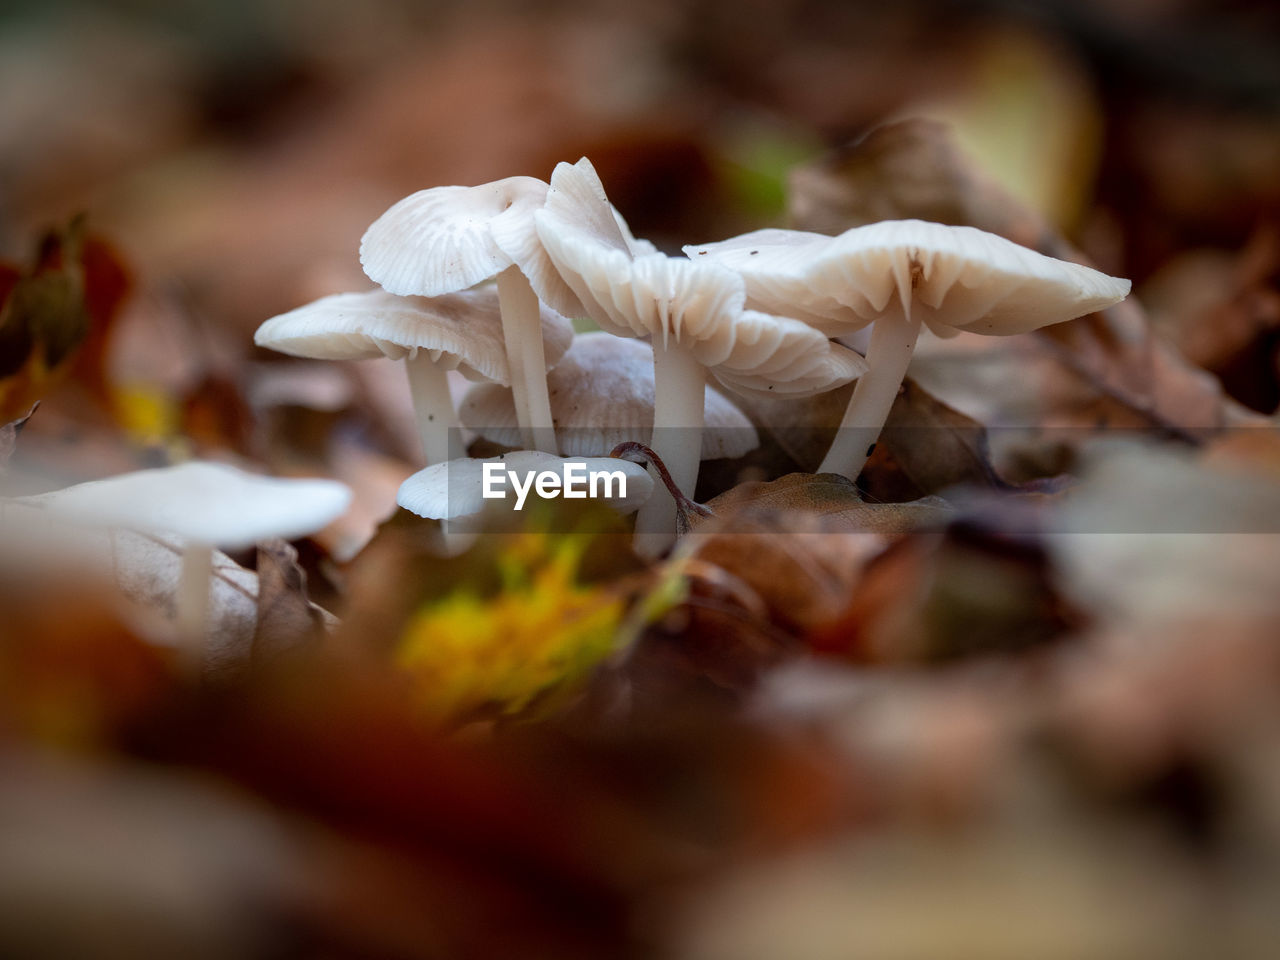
(146, 570)
(1153, 537)
(799, 543)
(56, 317)
(502, 626)
(831, 498)
(286, 620)
(1222, 311)
(9, 436)
(470, 655)
(935, 445)
(926, 445)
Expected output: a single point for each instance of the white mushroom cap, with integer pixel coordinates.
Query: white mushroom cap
(955, 278)
(601, 395)
(206, 503)
(637, 245)
(454, 489)
(447, 239)
(460, 330)
(700, 306)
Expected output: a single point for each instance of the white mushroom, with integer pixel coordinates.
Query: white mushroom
(460, 331)
(602, 393)
(447, 239)
(695, 316)
(898, 274)
(456, 490)
(206, 505)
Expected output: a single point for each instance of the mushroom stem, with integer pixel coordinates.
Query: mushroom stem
(192, 599)
(893, 339)
(679, 383)
(526, 358)
(433, 408)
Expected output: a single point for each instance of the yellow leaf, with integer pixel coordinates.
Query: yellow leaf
(528, 646)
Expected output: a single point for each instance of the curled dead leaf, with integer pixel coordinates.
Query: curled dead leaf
(9, 436)
(286, 618)
(800, 542)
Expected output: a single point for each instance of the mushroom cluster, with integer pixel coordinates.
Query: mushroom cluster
(482, 280)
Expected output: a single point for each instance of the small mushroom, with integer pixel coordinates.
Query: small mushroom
(696, 319)
(446, 239)
(455, 490)
(206, 505)
(602, 394)
(899, 274)
(460, 331)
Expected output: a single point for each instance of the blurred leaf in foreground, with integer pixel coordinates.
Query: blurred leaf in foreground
(112, 861)
(541, 633)
(512, 625)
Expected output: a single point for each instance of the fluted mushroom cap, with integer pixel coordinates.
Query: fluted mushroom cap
(208, 503)
(454, 489)
(602, 394)
(700, 306)
(447, 239)
(460, 330)
(955, 278)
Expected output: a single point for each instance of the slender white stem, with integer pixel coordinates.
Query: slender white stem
(433, 408)
(679, 384)
(893, 339)
(195, 579)
(527, 360)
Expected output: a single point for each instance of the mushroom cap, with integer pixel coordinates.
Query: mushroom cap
(602, 394)
(453, 489)
(955, 278)
(700, 306)
(447, 239)
(209, 503)
(462, 330)
(638, 246)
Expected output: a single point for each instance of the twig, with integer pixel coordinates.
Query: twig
(637, 452)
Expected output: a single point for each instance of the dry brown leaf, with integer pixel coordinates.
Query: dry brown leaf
(929, 444)
(799, 543)
(1223, 313)
(144, 569)
(832, 498)
(56, 317)
(9, 436)
(286, 618)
